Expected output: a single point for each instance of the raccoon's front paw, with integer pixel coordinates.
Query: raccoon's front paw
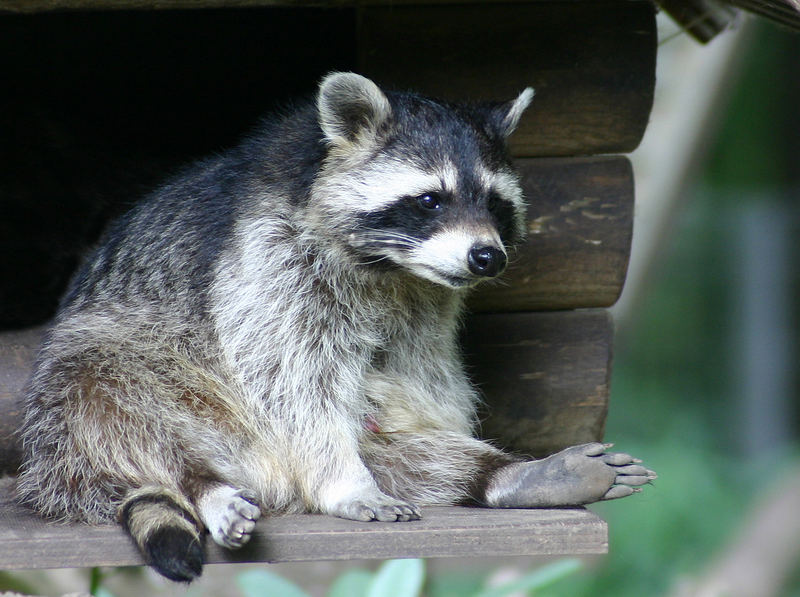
(575, 476)
(383, 512)
(230, 515)
(379, 507)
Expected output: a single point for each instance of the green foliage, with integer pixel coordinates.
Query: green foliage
(756, 142)
(397, 578)
(405, 578)
(263, 583)
(531, 583)
(9, 582)
(351, 583)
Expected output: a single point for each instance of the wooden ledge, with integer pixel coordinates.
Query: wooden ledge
(27, 541)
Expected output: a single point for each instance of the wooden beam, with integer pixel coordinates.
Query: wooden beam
(545, 377)
(592, 65)
(580, 224)
(17, 354)
(27, 541)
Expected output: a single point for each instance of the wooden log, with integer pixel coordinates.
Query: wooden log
(592, 65)
(545, 377)
(580, 218)
(17, 354)
(27, 541)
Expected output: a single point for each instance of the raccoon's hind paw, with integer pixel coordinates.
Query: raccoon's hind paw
(175, 553)
(230, 515)
(575, 476)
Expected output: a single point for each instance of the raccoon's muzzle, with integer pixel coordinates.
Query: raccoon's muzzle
(486, 261)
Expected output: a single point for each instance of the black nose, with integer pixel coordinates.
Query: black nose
(486, 261)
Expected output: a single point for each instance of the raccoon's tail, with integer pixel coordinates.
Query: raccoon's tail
(166, 531)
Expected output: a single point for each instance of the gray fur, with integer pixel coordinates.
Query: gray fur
(260, 331)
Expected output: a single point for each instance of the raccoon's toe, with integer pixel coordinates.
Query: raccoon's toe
(230, 515)
(382, 511)
(175, 553)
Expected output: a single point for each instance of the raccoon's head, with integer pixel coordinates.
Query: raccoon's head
(418, 184)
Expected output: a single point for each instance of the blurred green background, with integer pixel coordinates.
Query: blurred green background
(705, 381)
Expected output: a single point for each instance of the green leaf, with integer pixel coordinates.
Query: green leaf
(398, 578)
(9, 582)
(353, 583)
(538, 579)
(261, 583)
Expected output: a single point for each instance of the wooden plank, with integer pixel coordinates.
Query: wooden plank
(580, 220)
(27, 541)
(545, 377)
(17, 354)
(592, 65)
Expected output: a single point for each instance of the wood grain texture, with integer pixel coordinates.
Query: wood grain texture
(592, 65)
(17, 354)
(580, 225)
(545, 377)
(27, 541)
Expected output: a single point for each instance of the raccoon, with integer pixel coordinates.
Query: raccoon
(275, 330)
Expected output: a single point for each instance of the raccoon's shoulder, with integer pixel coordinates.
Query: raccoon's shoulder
(284, 154)
(178, 231)
(279, 157)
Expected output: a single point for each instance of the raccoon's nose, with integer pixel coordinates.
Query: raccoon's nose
(486, 261)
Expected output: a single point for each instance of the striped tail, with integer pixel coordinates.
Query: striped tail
(166, 531)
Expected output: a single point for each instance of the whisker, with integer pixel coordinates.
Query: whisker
(392, 234)
(386, 238)
(372, 261)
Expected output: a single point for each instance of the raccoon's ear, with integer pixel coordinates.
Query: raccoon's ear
(351, 108)
(506, 116)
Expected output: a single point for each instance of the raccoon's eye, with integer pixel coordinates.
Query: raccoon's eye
(430, 201)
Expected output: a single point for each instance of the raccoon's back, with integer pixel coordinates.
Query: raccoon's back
(164, 249)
